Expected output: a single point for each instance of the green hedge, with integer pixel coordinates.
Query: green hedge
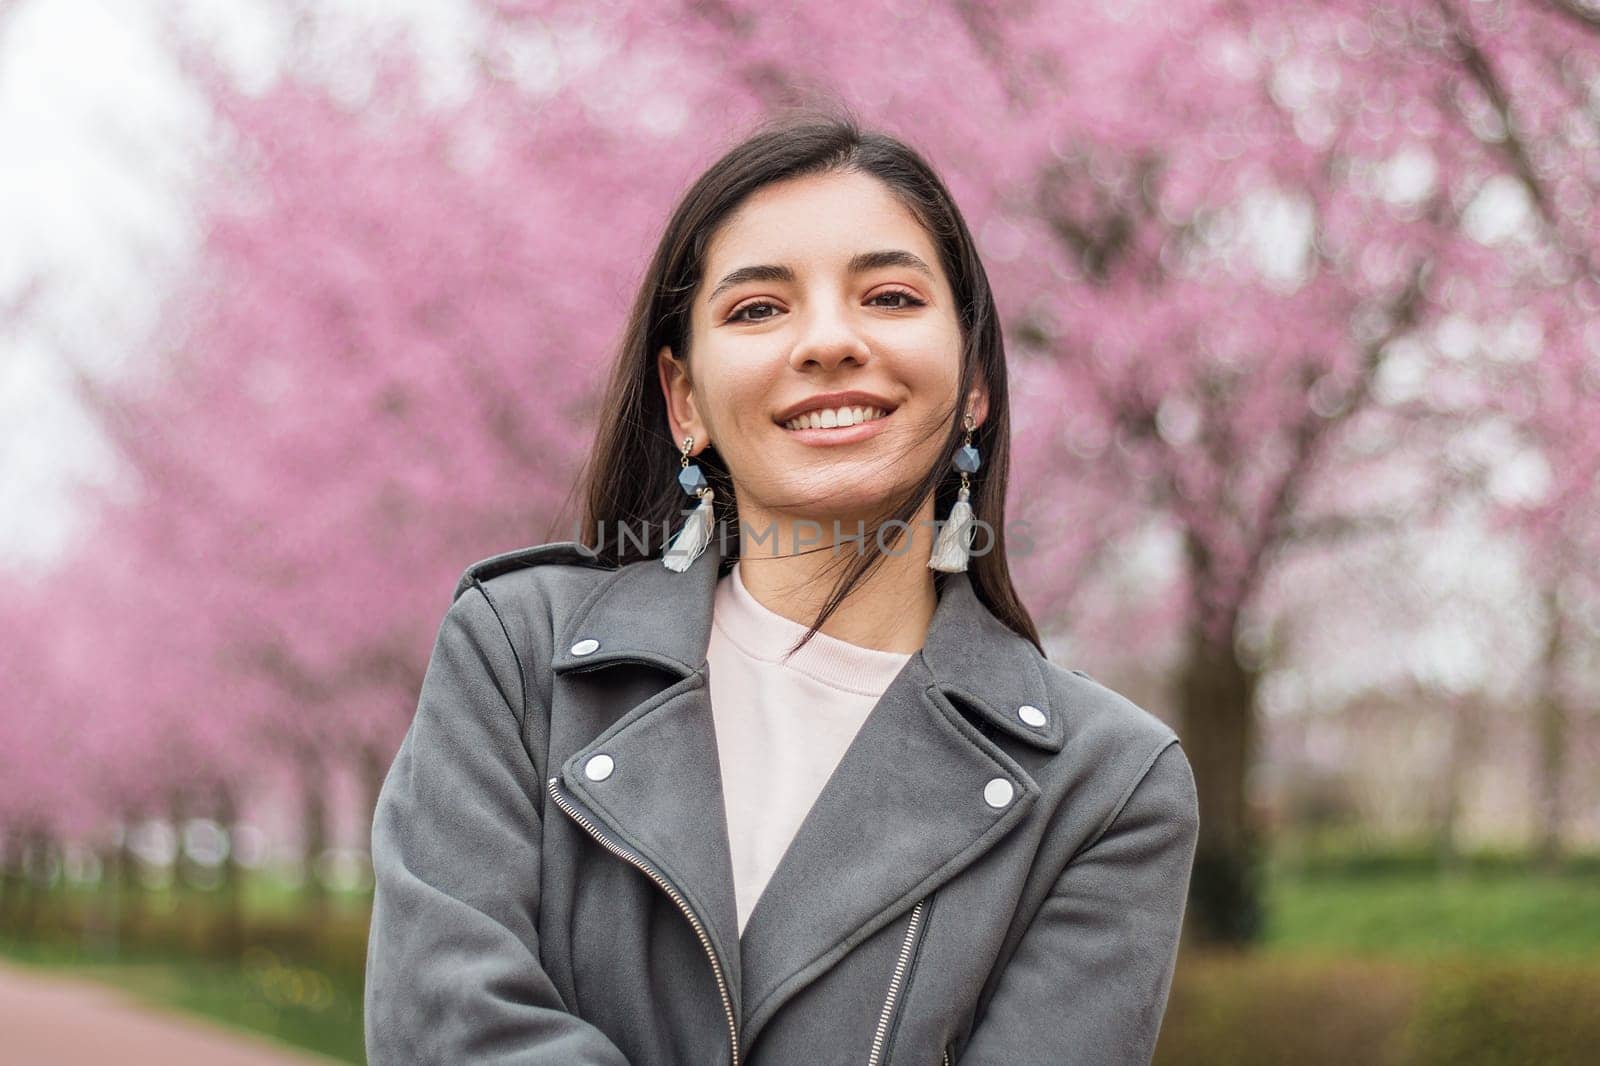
(1507, 1015)
(1264, 1010)
(1375, 962)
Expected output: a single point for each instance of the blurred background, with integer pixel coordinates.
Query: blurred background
(306, 306)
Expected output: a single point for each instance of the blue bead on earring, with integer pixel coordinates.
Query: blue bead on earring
(953, 546)
(696, 532)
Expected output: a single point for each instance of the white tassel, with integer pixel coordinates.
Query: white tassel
(951, 549)
(692, 538)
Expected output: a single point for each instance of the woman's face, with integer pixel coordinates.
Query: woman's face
(823, 297)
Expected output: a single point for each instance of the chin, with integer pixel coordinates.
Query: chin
(847, 507)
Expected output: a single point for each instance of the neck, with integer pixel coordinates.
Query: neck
(889, 610)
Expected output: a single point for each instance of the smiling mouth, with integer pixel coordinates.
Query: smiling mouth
(836, 418)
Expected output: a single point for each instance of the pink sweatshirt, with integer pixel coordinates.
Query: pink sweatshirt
(781, 726)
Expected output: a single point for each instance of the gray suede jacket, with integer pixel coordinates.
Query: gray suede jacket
(994, 874)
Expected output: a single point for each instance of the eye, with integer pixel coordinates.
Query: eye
(910, 299)
(905, 297)
(738, 314)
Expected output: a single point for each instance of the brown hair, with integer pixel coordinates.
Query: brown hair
(630, 478)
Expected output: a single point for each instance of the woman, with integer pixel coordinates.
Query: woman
(800, 786)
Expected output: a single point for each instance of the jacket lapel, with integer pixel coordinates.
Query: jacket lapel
(903, 812)
(663, 796)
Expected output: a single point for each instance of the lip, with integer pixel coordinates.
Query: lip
(826, 437)
(823, 401)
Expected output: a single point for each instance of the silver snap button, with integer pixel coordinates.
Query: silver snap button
(997, 793)
(585, 646)
(1031, 714)
(598, 768)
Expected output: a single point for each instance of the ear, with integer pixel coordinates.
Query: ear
(683, 416)
(978, 404)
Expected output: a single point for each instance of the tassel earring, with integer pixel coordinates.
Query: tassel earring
(696, 532)
(951, 549)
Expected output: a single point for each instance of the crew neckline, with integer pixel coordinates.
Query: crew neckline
(765, 635)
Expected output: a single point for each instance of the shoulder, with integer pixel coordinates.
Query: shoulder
(514, 599)
(530, 588)
(1111, 740)
(1094, 709)
(559, 555)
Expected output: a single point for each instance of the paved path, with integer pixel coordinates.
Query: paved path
(47, 1020)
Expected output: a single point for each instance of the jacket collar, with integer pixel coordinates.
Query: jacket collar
(646, 613)
(903, 812)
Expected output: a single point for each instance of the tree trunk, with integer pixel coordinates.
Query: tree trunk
(373, 768)
(127, 890)
(1218, 729)
(10, 879)
(32, 865)
(1466, 742)
(100, 930)
(183, 880)
(313, 792)
(231, 930)
(1553, 723)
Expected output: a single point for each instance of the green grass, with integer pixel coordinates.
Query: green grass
(295, 980)
(1361, 953)
(1403, 904)
(303, 1006)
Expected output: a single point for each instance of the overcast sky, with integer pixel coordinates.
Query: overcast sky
(103, 141)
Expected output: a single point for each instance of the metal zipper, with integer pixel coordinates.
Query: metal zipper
(894, 983)
(677, 897)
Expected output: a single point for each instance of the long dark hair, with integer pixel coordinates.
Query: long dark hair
(630, 479)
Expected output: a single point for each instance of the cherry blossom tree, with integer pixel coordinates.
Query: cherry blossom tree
(1248, 256)
(1236, 246)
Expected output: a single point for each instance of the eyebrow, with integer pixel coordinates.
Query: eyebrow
(859, 264)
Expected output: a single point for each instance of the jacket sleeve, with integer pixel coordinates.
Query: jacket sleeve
(453, 973)
(1088, 983)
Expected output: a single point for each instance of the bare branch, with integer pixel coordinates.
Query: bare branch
(1314, 429)
(1477, 65)
(1578, 16)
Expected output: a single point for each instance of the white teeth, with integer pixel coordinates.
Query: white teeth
(834, 418)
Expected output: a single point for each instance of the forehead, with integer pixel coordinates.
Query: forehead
(819, 218)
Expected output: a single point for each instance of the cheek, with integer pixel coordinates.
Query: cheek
(735, 397)
(932, 371)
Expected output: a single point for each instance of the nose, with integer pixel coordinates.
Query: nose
(828, 341)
